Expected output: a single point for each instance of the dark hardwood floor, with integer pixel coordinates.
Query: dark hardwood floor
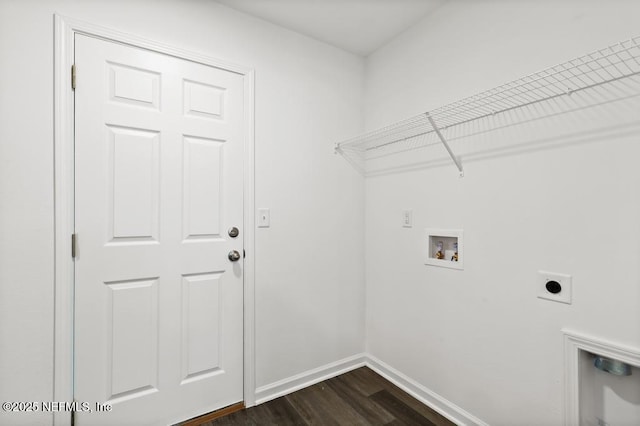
(359, 397)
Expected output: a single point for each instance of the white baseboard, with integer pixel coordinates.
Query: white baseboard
(413, 388)
(431, 399)
(308, 378)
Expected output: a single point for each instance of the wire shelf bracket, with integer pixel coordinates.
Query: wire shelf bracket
(613, 70)
(455, 159)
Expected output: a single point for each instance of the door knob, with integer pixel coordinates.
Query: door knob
(234, 255)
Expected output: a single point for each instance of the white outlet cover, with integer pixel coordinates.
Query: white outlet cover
(407, 218)
(563, 279)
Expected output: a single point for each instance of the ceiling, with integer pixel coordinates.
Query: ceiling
(357, 26)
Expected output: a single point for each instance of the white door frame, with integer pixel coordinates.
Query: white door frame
(65, 29)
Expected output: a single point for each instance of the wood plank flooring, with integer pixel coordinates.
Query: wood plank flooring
(359, 397)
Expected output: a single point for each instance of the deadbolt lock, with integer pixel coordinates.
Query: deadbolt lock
(233, 232)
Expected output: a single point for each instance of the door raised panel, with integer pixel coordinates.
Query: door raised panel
(202, 187)
(133, 338)
(134, 86)
(203, 100)
(201, 324)
(134, 184)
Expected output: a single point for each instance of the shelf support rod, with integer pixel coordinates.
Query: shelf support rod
(446, 145)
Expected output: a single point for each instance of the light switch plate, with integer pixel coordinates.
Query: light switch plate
(264, 218)
(564, 296)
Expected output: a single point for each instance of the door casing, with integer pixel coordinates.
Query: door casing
(65, 29)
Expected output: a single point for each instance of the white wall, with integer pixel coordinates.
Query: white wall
(309, 271)
(567, 203)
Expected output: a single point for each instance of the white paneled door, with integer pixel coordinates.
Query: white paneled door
(158, 185)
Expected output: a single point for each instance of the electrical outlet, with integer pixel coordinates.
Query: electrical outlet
(554, 286)
(407, 218)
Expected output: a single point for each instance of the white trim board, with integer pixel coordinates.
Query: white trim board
(65, 29)
(308, 378)
(421, 393)
(574, 343)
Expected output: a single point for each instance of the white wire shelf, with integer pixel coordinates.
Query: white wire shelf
(594, 70)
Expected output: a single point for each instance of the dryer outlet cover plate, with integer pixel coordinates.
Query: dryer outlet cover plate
(563, 296)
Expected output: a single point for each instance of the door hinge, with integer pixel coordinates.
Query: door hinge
(74, 244)
(73, 77)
